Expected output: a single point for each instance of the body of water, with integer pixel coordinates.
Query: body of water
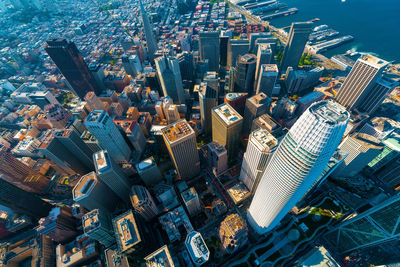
(375, 24)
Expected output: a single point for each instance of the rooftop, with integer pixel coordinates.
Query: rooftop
(159, 258)
(147, 163)
(247, 59)
(101, 161)
(96, 116)
(173, 221)
(177, 131)
(233, 224)
(234, 96)
(215, 146)
(90, 221)
(264, 140)
(269, 68)
(227, 114)
(260, 99)
(374, 61)
(126, 231)
(189, 194)
(330, 112)
(238, 193)
(197, 248)
(85, 185)
(367, 140)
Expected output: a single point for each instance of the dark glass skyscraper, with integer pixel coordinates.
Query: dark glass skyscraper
(72, 65)
(298, 37)
(22, 202)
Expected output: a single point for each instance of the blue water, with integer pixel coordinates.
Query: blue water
(375, 24)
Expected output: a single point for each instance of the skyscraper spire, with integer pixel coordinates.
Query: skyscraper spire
(150, 39)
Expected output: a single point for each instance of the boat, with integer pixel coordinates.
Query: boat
(321, 27)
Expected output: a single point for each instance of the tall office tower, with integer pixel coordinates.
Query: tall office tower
(191, 200)
(60, 225)
(148, 31)
(170, 78)
(360, 87)
(57, 115)
(72, 65)
(237, 101)
(259, 150)
(100, 124)
(212, 80)
(233, 233)
(172, 114)
(97, 224)
(207, 100)
(209, 49)
(90, 141)
(217, 158)
(267, 79)
(94, 102)
(272, 41)
(91, 193)
(149, 172)
(143, 203)
(132, 65)
(180, 140)
(362, 148)
(236, 47)
(186, 65)
(159, 258)
(382, 87)
(132, 131)
(254, 36)
(298, 161)
(298, 37)
(22, 202)
(223, 49)
(20, 175)
(197, 248)
(226, 128)
(111, 174)
(298, 81)
(264, 56)
(75, 145)
(374, 234)
(97, 71)
(67, 150)
(243, 74)
(255, 107)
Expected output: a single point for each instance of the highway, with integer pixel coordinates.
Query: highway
(324, 61)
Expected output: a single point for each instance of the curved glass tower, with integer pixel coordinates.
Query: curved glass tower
(297, 163)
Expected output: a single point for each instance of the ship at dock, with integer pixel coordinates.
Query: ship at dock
(323, 46)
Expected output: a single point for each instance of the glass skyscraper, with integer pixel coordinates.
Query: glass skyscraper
(298, 161)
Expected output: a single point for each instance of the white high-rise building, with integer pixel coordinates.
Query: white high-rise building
(101, 125)
(259, 150)
(264, 56)
(298, 161)
(358, 87)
